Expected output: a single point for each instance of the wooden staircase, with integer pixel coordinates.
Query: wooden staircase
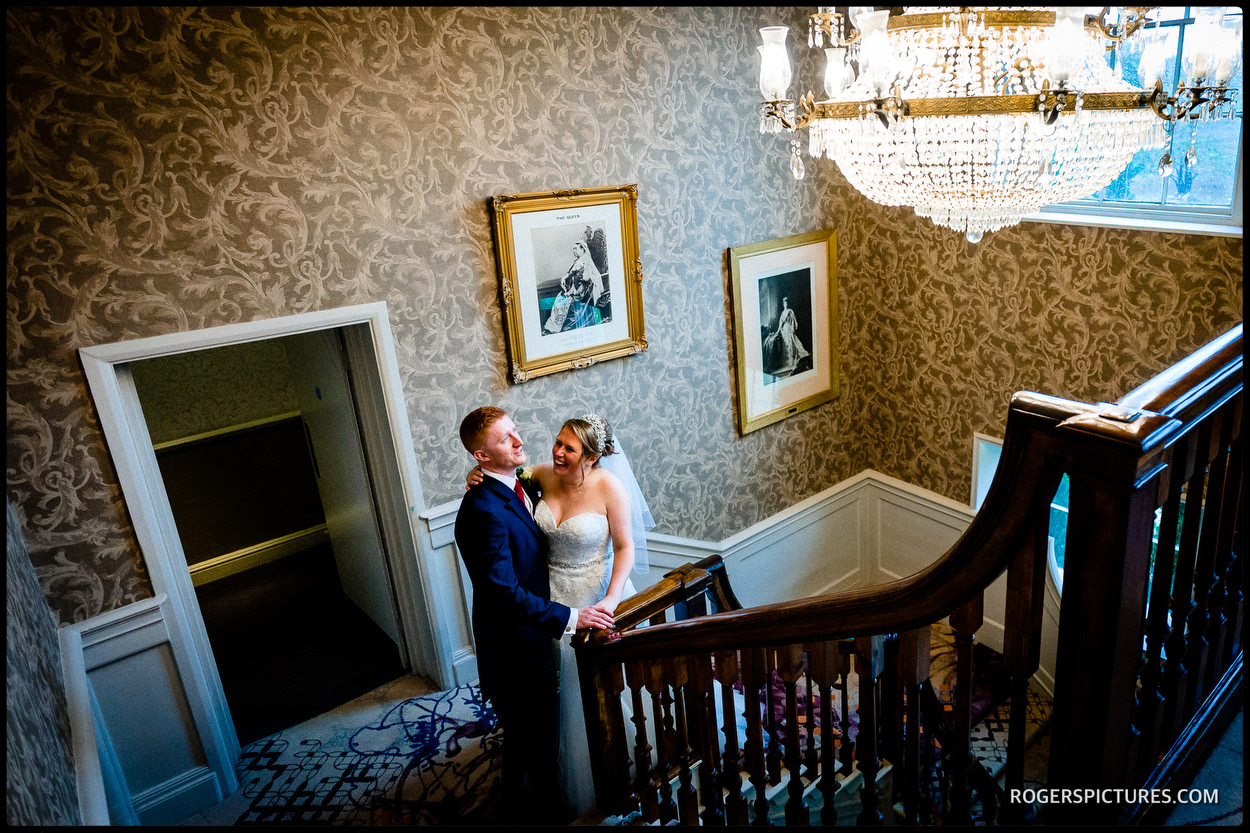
(847, 801)
(698, 708)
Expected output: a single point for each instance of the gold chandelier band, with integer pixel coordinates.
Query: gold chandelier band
(974, 105)
(999, 19)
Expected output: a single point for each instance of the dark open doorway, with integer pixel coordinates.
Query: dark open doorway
(290, 644)
(240, 468)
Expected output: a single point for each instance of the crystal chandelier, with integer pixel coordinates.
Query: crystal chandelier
(976, 117)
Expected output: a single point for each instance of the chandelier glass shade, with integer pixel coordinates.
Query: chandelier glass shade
(978, 117)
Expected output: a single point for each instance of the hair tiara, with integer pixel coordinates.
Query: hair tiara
(600, 426)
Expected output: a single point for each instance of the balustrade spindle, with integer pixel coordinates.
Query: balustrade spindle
(1177, 673)
(965, 621)
(661, 705)
(822, 665)
(771, 722)
(846, 746)
(811, 760)
(644, 774)
(1151, 698)
(754, 679)
(1234, 606)
(1230, 498)
(913, 660)
(789, 668)
(868, 662)
(1196, 652)
(703, 708)
(726, 673)
(1233, 594)
(687, 798)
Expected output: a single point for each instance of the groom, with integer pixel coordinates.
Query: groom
(515, 624)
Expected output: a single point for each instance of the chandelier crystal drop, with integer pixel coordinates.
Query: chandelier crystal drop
(977, 117)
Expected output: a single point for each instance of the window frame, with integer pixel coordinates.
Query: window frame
(1213, 221)
(986, 453)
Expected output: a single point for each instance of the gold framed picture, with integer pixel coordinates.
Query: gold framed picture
(785, 312)
(570, 278)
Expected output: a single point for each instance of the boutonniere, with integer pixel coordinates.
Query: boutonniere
(525, 474)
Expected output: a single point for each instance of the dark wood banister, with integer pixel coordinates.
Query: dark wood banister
(1119, 455)
(1124, 463)
(980, 556)
(996, 535)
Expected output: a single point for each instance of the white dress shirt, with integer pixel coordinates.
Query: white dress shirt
(510, 482)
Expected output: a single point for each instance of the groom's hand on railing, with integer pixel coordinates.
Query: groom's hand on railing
(594, 616)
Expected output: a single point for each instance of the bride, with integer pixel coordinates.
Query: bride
(595, 519)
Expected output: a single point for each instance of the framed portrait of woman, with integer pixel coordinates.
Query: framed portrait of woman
(785, 313)
(570, 278)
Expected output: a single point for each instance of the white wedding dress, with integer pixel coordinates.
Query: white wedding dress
(580, 569)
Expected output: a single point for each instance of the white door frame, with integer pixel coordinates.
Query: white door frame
(414, 571)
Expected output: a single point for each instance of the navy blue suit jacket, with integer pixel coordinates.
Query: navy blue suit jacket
(514, 620)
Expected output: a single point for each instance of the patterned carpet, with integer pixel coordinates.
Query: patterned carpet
(382, 759)
(406, 754)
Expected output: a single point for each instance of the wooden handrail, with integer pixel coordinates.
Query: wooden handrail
(678, 584)
(1176, 390)
(1172, 439)
(980, 556)
(1147, 417)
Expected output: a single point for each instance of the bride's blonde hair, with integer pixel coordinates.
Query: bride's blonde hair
(595, 435)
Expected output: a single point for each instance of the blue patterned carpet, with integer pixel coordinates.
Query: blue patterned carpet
(427, 760)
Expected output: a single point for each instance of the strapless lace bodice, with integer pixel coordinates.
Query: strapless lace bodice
(578, 560)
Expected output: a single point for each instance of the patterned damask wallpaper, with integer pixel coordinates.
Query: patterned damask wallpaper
(174, 169)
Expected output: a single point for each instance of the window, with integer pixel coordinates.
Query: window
(1204, 197)
(986, 452)
(985, 455)
(1058, 531)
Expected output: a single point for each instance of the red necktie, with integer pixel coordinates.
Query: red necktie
(521, 494)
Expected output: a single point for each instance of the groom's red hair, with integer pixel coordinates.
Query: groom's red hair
(473, 428)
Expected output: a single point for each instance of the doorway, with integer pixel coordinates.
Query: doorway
(261, 458)
(417, 577)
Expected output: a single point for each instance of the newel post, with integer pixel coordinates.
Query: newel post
(602, 683)
(1113, 490)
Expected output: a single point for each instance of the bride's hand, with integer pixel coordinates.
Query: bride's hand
(474, 477)
(610, 602)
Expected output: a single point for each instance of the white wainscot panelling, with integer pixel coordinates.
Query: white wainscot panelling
(913, 527)
(453, 597)
(868, 529)
(811, 549)
(150, 739)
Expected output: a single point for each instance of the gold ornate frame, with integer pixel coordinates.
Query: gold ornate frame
(530, 232)
(807, 263)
